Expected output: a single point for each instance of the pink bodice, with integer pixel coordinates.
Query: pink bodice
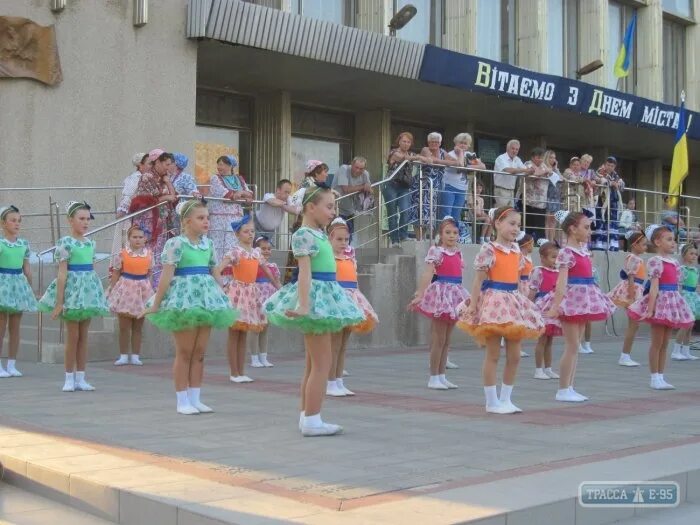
(549, 280)
(669, 275)
(451, 265)
(583, 266)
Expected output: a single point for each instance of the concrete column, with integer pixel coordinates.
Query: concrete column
(649, 55)
(649, 177)
(272, 139)
(373, 139)
(531, 50)
(692, 66)
(593, 38)
(460, 26)
(374, 15)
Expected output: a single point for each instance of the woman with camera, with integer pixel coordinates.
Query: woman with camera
(455, 181)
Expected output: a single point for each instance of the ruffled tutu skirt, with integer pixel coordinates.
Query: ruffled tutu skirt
(501, 314)
(693, 300)
(129, 296)
(83, 299)
(552, 325)
(671, 310)
(265, 291)
(619, 294)
(192, 301)
(16, 296)
(441, 300)
(245, 299)
(330, 308)
(582, 303)
(371, 318)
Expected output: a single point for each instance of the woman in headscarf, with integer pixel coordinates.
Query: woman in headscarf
(140, 162)
(154, 187)
(183, 183)
(226, 184)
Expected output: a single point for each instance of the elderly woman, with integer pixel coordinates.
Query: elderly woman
(140, 162)
(553, 193)
(227, 185)
(155, 187)
(183, 183)
(435, 155)
(453, 195)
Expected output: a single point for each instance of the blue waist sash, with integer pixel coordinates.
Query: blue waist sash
(192, 270)
(262, 280)
(668, 287)
(580, 280)
(498, 285)
(689, 288)
(447, 279)
(134, 277)
(348, 284)
(13, 271)
(323, 276)
(80, 267)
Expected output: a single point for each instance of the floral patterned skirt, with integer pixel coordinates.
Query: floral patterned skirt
(582, 303)
(441, 300)
(670, 310)
(128, 296)
(83, 298)
(16, 295)
(246, 299)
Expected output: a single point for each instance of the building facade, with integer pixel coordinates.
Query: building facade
(281, 81)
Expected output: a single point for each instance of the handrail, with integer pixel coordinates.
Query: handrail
(379, 182)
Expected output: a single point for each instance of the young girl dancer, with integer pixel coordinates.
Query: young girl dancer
(439, 294)
(266, 285)
(689, 291)
(315, 304)
(526, 244)
(244, 261)
(189, 302)
(630, 289)
(346, 272)
(497, 308)
(543, 280)
(76, 295)
(577, 299)
(663, 307)
(129, 289)
(16, 295)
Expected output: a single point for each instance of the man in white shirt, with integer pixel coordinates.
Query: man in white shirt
(504, 185)
(270, 214)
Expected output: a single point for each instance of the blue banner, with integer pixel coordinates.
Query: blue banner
(448, 68)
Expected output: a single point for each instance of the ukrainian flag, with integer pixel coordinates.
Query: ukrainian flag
(679, 168)
(624, 57)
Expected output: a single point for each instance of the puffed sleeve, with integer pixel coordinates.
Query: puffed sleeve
(683, 274)
(655, 267)
(93, 245)
(234, 254)
(565, 259)
(485, 258)
(27, 251)
(535, 281)
(117, 261)
(172, 251)
(632, 264)
(434, 256)
(274, 270)
(521, 263)
(304, 243)
(213, 261)
(63, 249)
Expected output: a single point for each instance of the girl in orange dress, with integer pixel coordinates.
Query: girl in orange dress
(346, 274)
(630, 289)
(498, 309)
(129, 289)
(244, 262)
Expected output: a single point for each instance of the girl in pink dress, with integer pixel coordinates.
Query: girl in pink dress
(630, 289)
(543, 281)
(439, 293)
(266, 287)
(497, 308)
(129, 289)
(663, 307)
(244, 261)
(577, 299)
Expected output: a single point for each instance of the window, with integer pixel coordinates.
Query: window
(336, 11)
(674, 61)
(562, 37)
(619, 17)
(426, 27)
(496, 29)
(682, 8)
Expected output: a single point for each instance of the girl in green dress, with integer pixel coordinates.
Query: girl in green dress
(689, 291)
(316, 305)
(76, 295)
(16, 295)
(189, 302)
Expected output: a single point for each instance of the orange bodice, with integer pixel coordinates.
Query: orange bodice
(246, 270)
(345, 270)
(506, 267)
(135, 265)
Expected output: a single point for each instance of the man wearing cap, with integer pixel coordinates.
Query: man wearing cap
(611, 190)
(353, 178)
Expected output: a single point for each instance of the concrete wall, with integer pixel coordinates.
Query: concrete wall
(124, 89)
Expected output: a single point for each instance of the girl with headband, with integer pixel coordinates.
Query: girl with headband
(16, 295)
(244, 261)
(315, 304)
(630, 289)
(129, 289)
(267, 282)
(689, 291)
(189, 302)
(497, 308)
(76, 295)
(439, 294)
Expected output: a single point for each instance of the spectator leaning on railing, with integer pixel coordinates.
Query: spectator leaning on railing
(610, 186)
(535, 193)
(456, 183)
(270, 214)
(352, 178)
(504, 185)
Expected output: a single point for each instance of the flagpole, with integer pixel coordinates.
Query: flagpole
(678, 198)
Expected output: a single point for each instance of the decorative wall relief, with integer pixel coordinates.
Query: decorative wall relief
(28, 50)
